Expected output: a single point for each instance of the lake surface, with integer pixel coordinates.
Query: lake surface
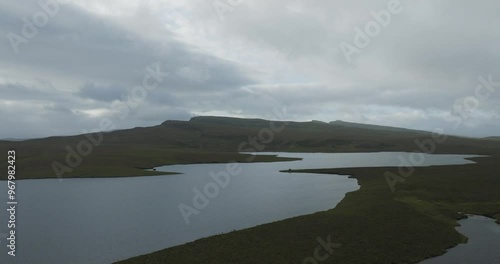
(482, 247)
(105, 220)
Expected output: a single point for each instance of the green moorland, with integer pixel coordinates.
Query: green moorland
(373, 224)
(210, 139)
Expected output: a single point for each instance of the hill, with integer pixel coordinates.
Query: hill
(415, 222)
(375, 127)
(372, 225)
(212, 139)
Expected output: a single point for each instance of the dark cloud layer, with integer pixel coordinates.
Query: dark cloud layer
(262, 55)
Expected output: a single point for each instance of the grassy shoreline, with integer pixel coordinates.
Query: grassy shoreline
(106, 163)
(373, 224)
(211, 139)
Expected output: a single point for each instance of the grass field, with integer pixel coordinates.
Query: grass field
(373, 225)
(211, 139)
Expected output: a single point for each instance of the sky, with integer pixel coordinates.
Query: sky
(65, 66)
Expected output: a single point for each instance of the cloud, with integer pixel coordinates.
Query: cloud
(262, 55)
(101, 93)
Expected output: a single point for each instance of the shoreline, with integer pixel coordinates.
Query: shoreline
(436, 220)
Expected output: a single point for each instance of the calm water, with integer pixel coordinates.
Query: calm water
(482, 247)
(105, 220)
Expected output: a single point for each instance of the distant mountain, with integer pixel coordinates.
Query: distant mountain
(493, 138)
(214, 133)
(374, 127)
(219, 139)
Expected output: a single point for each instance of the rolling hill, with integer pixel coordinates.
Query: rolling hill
(214, 139)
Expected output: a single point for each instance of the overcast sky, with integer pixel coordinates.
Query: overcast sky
(244, 58)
